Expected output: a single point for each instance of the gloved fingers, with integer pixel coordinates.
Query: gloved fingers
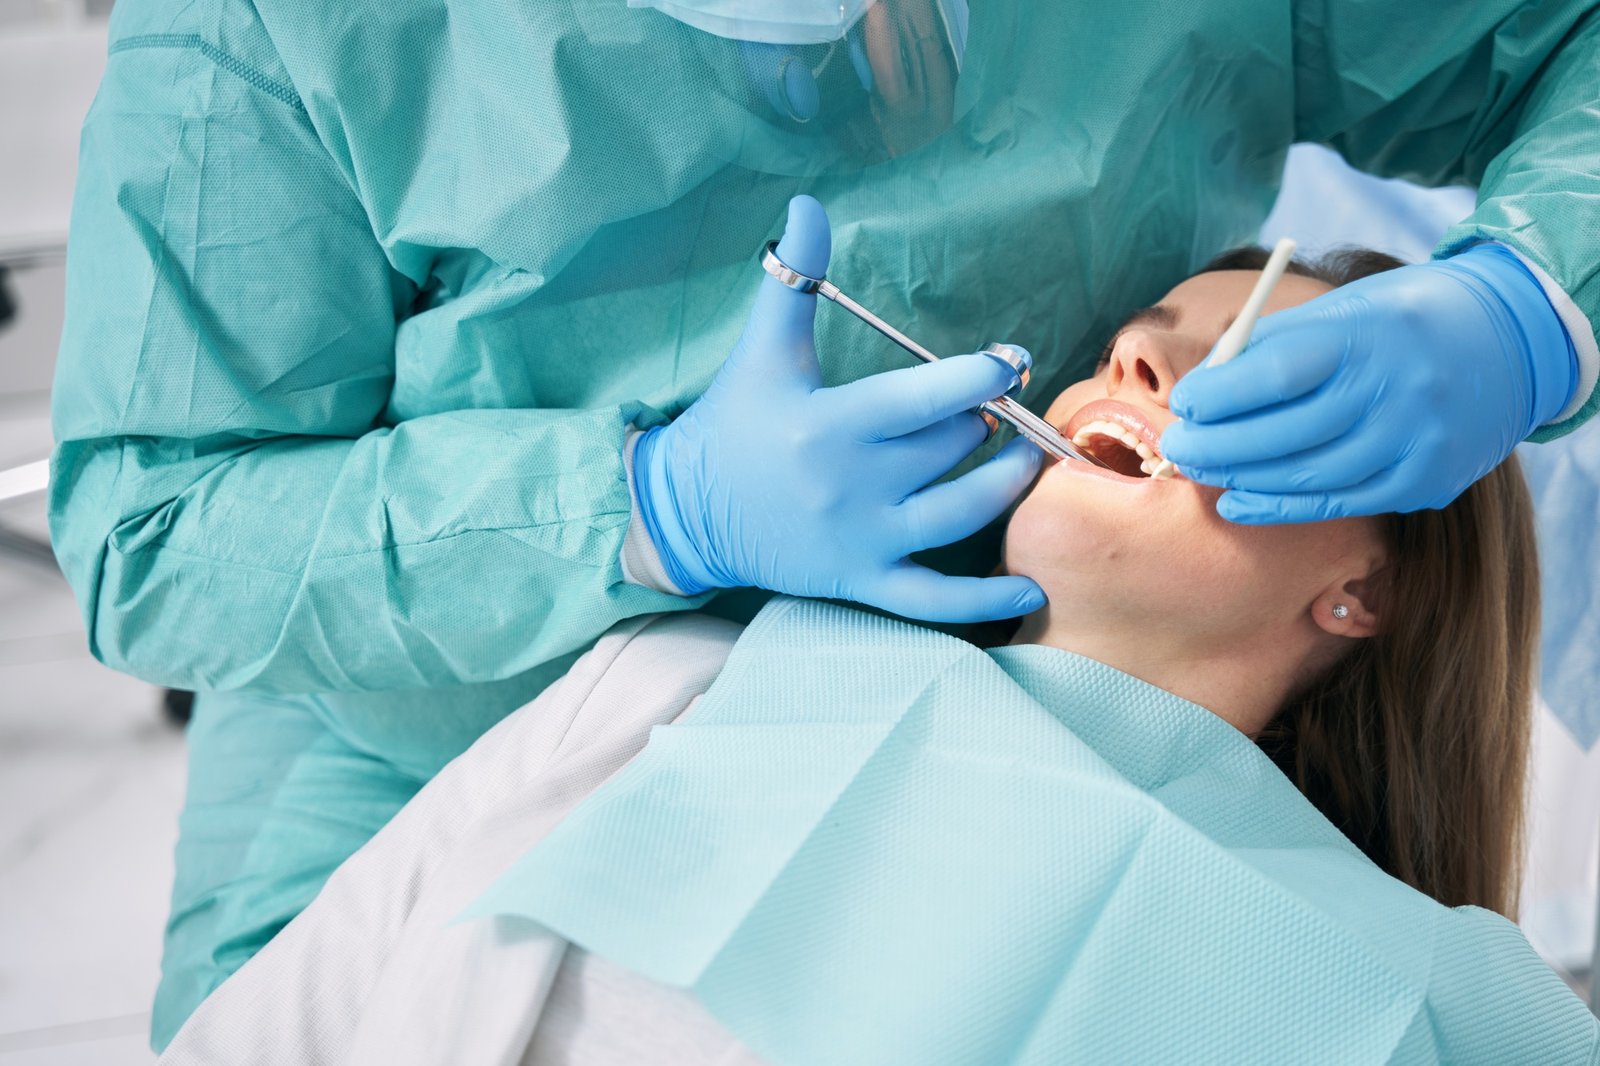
(922, 457)
(779, 337)
(917, 592)
(897, 402)
(1286, 429)
(947, 512)
(1291, 354)
(1374, 496)
(1350, 460)
(1404, 486)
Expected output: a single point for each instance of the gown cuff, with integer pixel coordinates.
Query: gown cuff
(641, 563)
(1579, 331)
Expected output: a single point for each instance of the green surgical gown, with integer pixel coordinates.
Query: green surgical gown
(364, 297)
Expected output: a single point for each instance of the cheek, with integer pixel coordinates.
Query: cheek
(1071, 398)
(1261, 576)
(1089, 539)
(1037, 545)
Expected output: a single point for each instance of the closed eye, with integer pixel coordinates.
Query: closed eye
(1105, 353)
(1160, 317)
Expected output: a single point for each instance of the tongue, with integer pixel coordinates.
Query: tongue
(1117, 456)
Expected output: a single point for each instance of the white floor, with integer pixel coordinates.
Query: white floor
(91, 777)
(91, 780)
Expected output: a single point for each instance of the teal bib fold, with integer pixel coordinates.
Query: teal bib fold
(871, 843)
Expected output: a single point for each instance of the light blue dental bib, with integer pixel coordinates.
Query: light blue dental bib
(875, 844)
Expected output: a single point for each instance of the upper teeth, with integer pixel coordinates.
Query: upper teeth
(1151, 463)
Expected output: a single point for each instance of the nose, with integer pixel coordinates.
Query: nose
(1140, 362)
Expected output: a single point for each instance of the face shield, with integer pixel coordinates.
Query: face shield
(804, 87)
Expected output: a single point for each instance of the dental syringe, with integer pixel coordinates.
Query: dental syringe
(1004, 408)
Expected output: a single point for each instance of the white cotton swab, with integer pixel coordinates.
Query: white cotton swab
(1238, 334)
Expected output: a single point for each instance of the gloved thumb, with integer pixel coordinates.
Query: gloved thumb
(780, 333)
(807, 241)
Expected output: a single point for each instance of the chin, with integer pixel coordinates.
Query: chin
(1107, 535)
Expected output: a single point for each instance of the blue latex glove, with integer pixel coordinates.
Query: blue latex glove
(773, 481)
(1392, 393)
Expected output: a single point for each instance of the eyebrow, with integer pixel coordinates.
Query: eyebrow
(1160, 315)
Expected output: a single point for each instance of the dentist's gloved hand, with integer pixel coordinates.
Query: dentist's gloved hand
(771, 480)
(1392, 393)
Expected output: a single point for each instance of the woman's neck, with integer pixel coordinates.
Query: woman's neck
(1244, 683)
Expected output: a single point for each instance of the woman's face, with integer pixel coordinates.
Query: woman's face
(1151, 560)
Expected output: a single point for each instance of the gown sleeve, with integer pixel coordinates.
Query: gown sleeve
(228, 500)
(1501, 95)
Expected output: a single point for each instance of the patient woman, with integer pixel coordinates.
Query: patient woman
(1195, 908)
(1385, 663)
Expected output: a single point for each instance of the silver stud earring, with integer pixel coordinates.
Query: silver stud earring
(1341, 611)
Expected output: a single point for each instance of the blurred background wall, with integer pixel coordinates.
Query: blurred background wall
(91, 776)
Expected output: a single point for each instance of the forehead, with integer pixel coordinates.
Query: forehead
(1204, 297)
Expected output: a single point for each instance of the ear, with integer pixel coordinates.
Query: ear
(1359, 598)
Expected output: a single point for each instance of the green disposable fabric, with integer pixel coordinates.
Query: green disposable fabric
(275, 801)
(363, 298)
(873, 843)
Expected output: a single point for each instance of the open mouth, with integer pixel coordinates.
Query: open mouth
(1119, 436)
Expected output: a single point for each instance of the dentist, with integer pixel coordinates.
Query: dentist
(411, 346)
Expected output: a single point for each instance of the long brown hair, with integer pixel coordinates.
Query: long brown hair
(1415, 744)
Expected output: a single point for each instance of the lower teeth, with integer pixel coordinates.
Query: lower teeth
(1151, 466)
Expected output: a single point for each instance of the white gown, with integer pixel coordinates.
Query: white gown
(377, 970)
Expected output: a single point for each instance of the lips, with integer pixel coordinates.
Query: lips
(1128, 417)
(1119, 435)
